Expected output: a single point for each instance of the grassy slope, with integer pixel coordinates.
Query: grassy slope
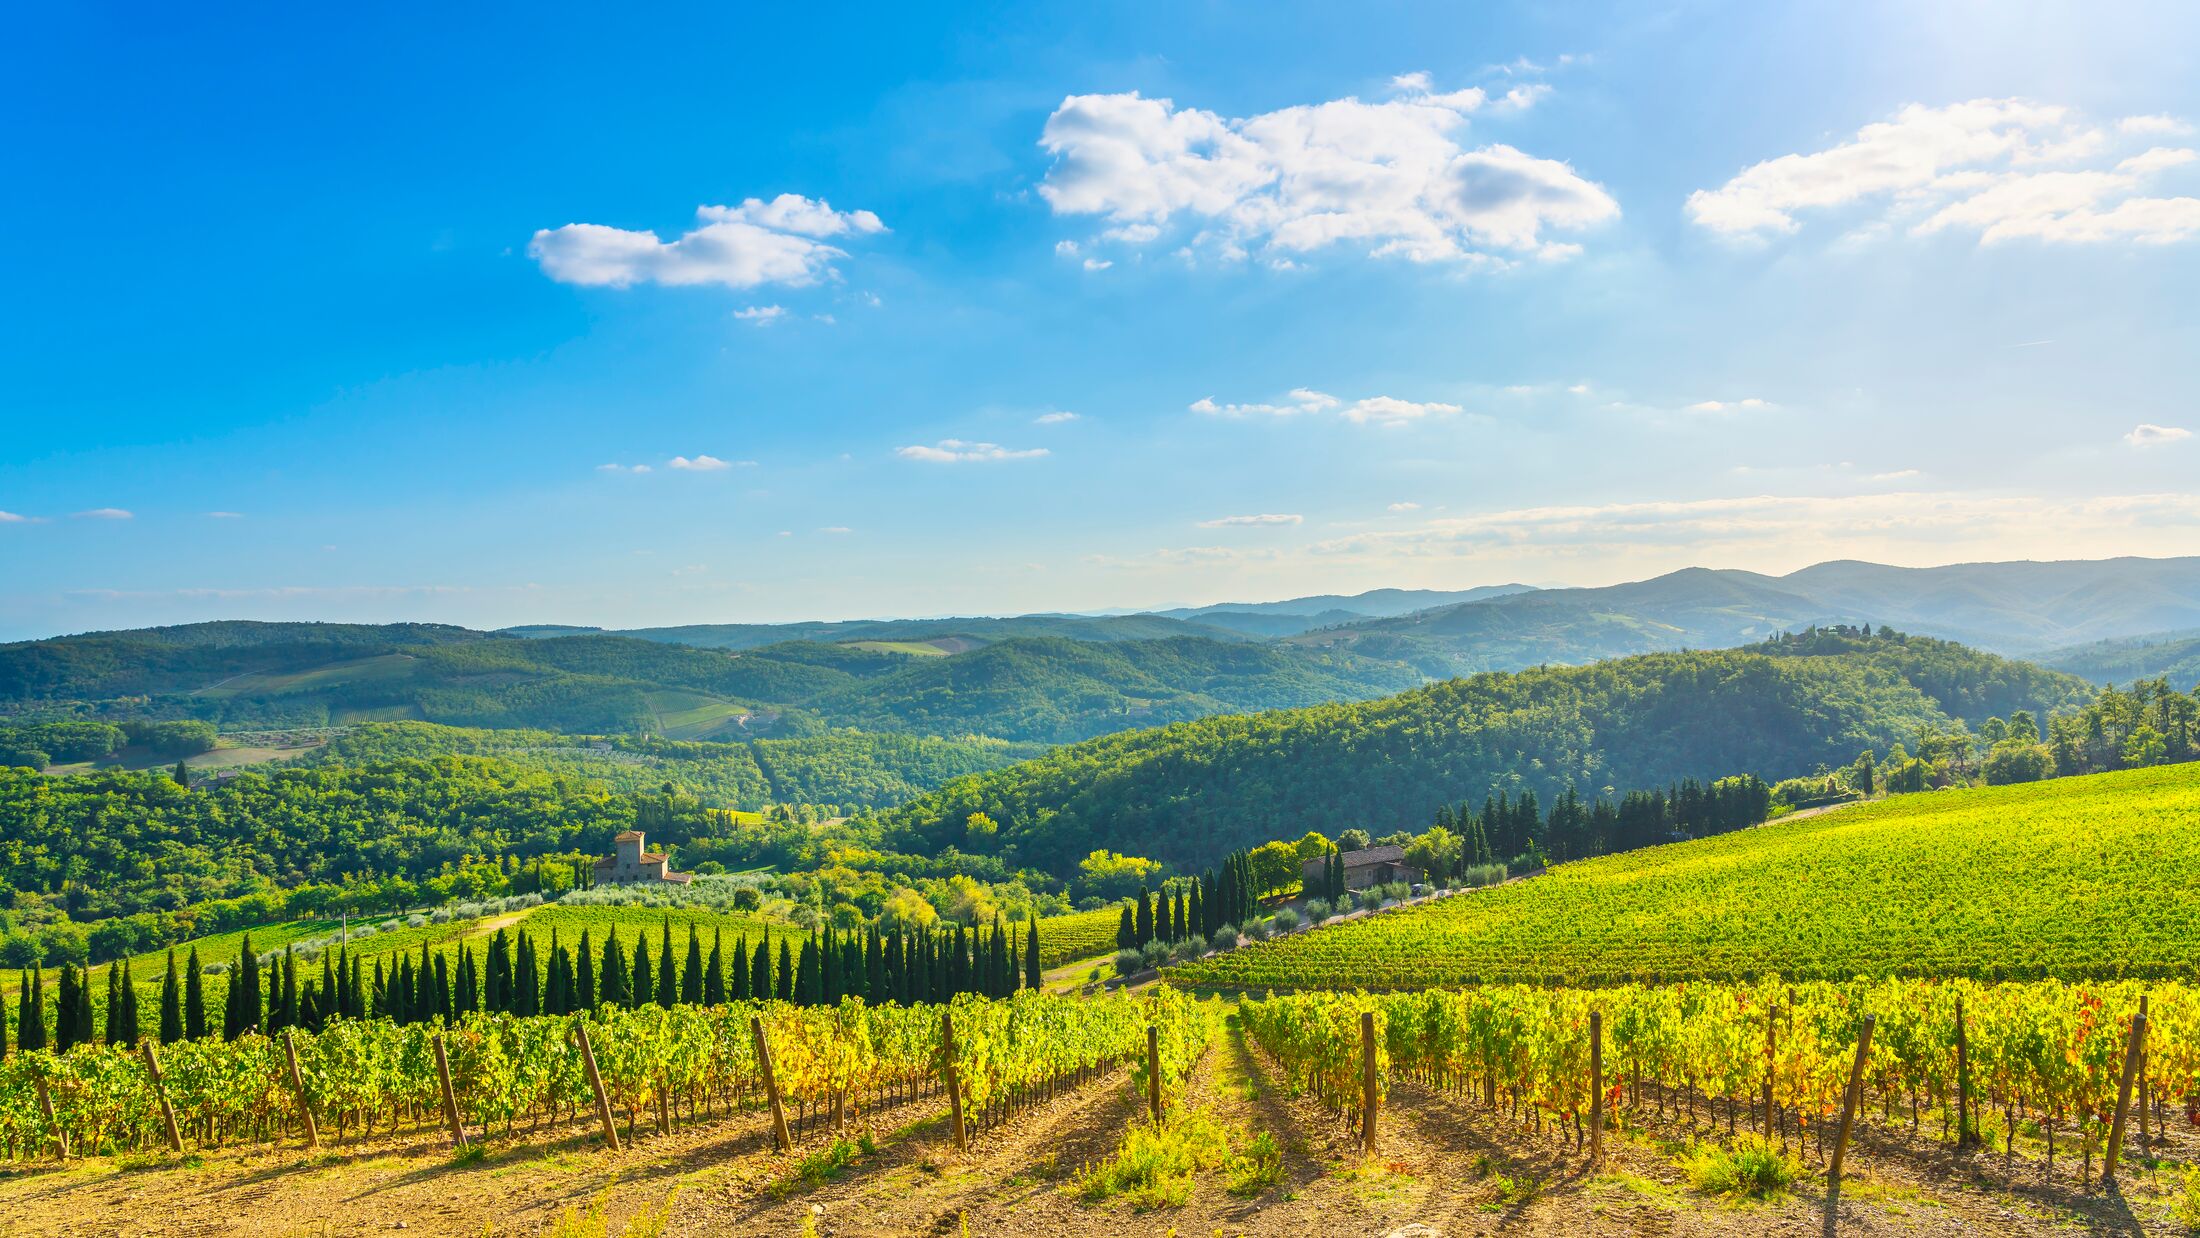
(2078, 877)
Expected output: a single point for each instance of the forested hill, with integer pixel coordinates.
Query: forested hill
(1190, 792)
(1050, 689)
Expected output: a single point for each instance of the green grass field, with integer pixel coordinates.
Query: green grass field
(913, 648)
(2077, 878)
(692, 715)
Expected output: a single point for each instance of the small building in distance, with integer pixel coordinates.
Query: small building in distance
(630, 864)
(1362, 869)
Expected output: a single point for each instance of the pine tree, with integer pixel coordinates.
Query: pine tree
(171, 1005)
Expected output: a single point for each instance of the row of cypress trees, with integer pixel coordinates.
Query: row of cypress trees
(517, 975)
(1201, 905)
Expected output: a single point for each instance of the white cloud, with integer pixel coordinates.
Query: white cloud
(1748, 404)
(700, 464)
(1260, 521)
(225, 515)
(1066, 249)
(958, 451)
(761, 315)
(1303, 401)
(745, 246)
(1390, 176)
(13, 518)
(1405, 507)
(1383, 410)
(2163, 126)
(1897, 475)
(1053, 419)
(622, 468)
(2150, 435)
(2000, 168)
(103, 513)
(836, 529)
(1300, 400)
(1098, 264)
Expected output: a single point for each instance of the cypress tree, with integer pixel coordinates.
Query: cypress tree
(783, 979)
(691, 975)
(64, 1025)
(668, 971)
(443, 1011)
(1126, 932)
(584, 979)
(875, 990)
(1145, 917)
(809, 987)
(309, 1007)
(714, 972)
(252, 1001)
(737, 972)
(85, 1029)
(828, 969)
(557, 993)
(401, 990)
(496, 994)
(1198, 911)
(611, 983)
(171, 1005)
(30, 1023)
(1033, 977)
(114, 1004)
(290, 988)
(194, 999)
(465, 996)
(643, 986)
(328, 989)
(760, 970)
(526, 979)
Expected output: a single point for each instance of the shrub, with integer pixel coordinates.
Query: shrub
(1257, 1168)
(1256, 931)
(1154, 1165)
(1284, 920)
(1153, 954)
(1754, 1168)
(1191, 947)
(2184, 1205)
(1127, 961)
(1226, 937)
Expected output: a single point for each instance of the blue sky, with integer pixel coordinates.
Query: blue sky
(344, 315)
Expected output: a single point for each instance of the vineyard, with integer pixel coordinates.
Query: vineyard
(2045, 1057)
(655, 1064)
(2087, 877)
(1078, 935)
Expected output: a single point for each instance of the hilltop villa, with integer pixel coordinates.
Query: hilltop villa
(630, 864)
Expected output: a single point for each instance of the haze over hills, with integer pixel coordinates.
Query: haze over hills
(2014, 608)
(2174, 656)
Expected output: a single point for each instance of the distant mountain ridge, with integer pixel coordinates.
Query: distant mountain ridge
(2011, 608)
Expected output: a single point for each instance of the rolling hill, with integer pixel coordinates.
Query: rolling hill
(2012, 608)
(2171, 655)
(1018, 688)
(1188, 793)
(2015, 882)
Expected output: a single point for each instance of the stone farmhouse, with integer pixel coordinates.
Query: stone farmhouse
(630, 863)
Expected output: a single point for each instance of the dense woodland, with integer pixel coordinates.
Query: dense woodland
(1189, 792)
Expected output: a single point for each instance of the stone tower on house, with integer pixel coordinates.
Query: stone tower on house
(631, 863)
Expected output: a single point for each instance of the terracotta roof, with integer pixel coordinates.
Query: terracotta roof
(1374, 855)
(623, 835)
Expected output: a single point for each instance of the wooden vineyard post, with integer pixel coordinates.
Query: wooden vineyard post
(1153, 1073)
(1596, 1087)
(1963, 1080)
(450, 1098)
(1852, 1098)
(2123, 1092)
(297, 1085)
(595, 1084)
(168, 1111)
(954, 1079)
(1370, 1098)
(45, 1106)
(781, 1141)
